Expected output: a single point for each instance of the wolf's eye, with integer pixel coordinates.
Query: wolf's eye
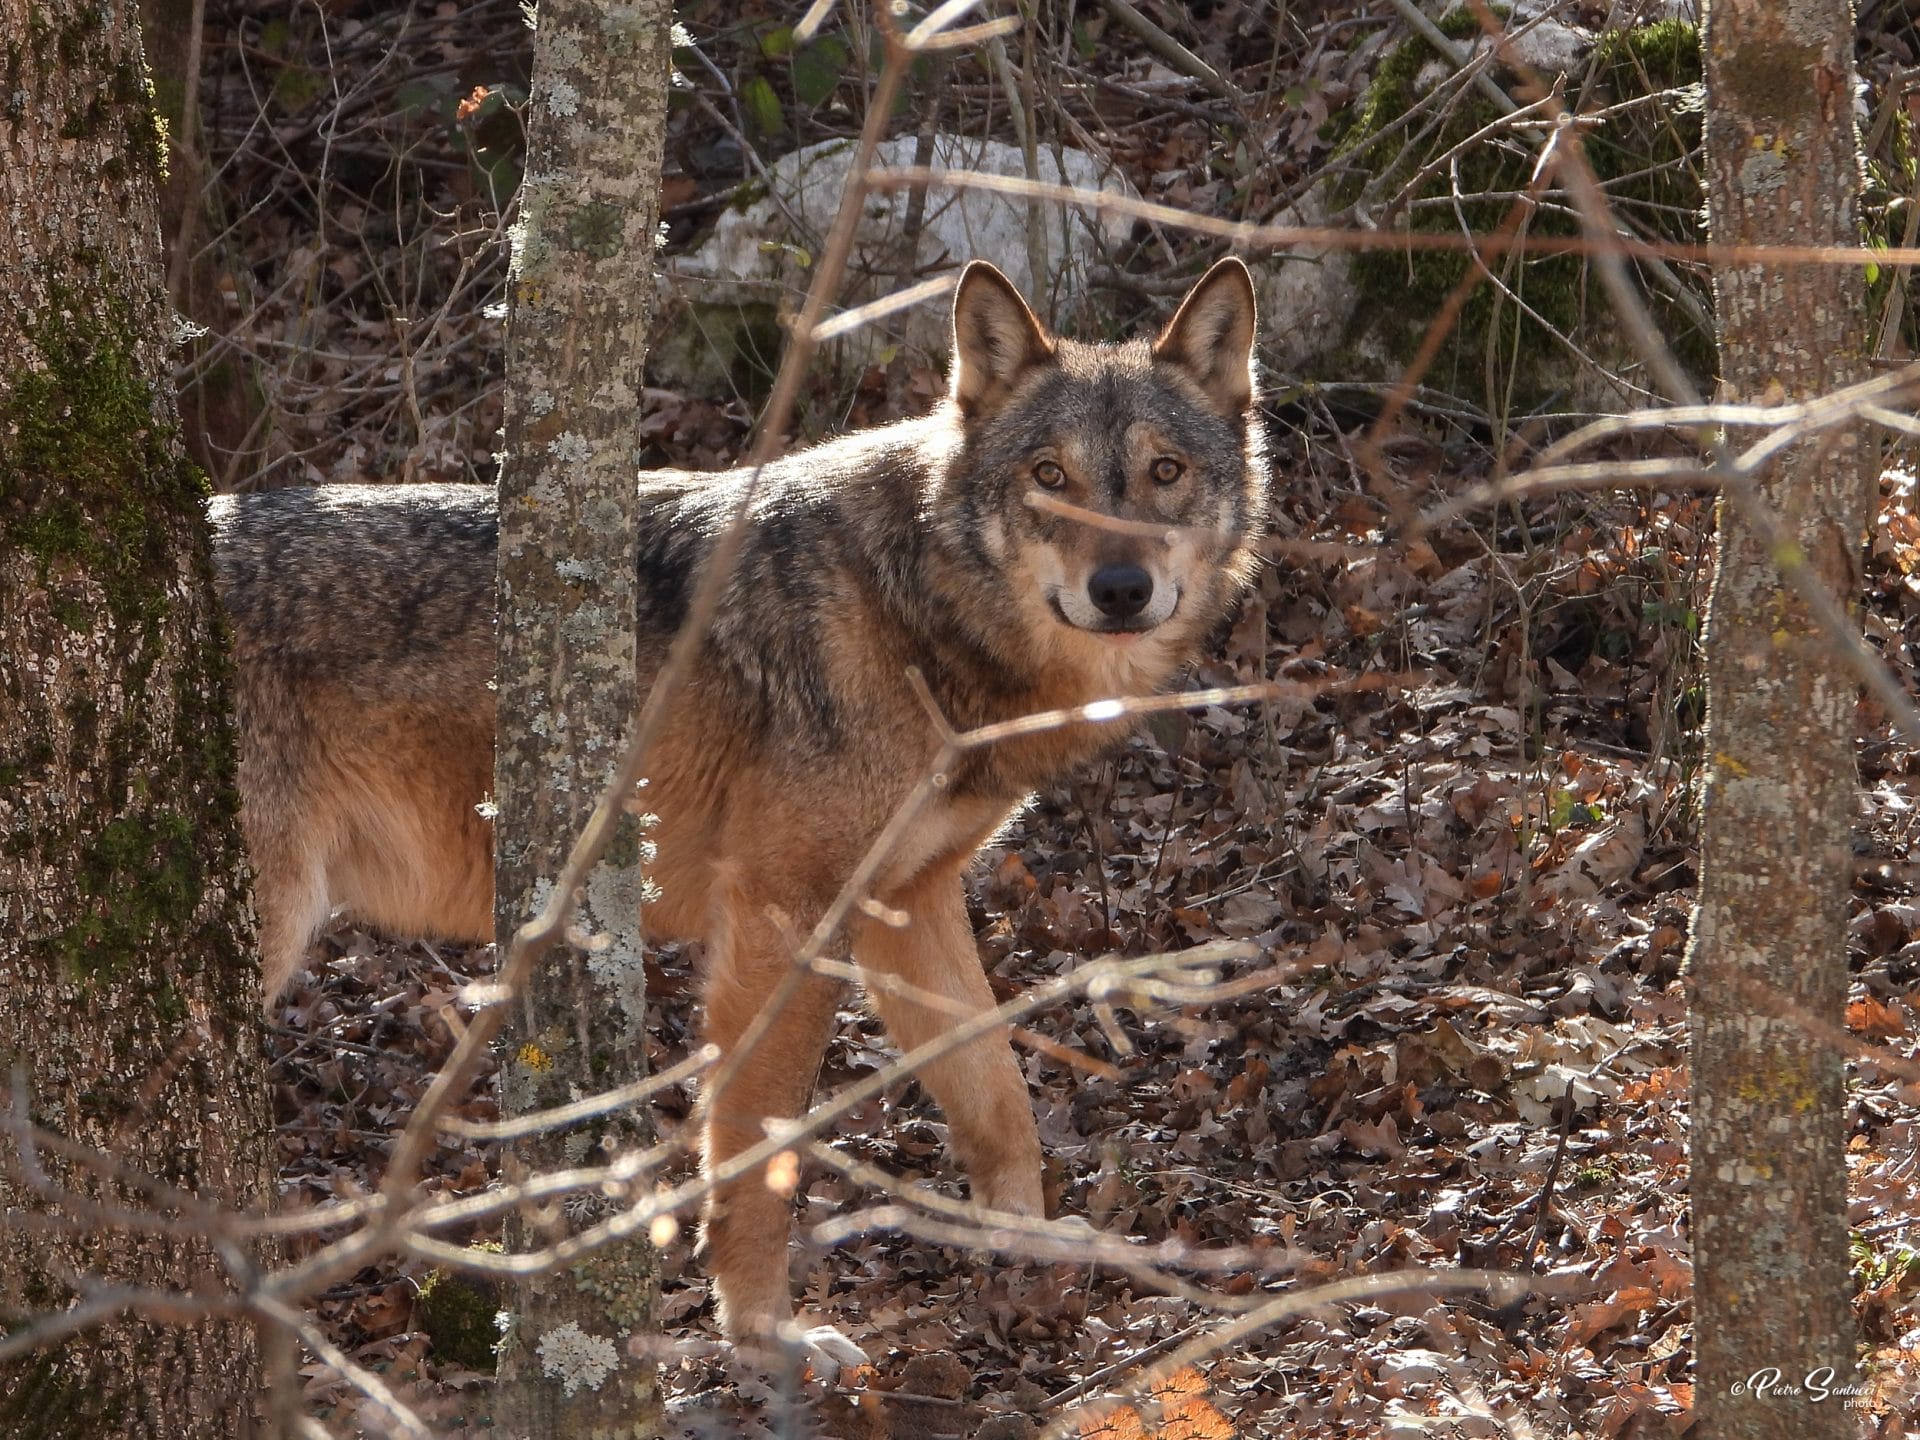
(1049, 476)
(1166, 470)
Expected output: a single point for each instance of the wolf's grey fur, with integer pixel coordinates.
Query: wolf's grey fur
(363, 628)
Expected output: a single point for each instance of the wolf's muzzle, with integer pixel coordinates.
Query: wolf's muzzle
(1120, 592)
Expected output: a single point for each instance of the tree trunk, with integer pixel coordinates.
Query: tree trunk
(1768, 958)
(576, 339)
(126, 937)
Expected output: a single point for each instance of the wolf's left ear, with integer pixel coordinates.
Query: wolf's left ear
(1211, 335)
(996, 338)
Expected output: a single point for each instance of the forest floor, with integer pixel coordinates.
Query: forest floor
(1463, 852)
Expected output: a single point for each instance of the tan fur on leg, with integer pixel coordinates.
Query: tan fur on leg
(978, 1085)
(746, 1224)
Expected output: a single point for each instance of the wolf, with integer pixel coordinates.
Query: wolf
(363, 620)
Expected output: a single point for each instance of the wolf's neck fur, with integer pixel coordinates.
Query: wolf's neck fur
(911, 532)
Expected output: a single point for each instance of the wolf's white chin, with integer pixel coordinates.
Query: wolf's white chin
(1080, 613)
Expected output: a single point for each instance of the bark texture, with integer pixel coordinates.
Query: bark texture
(126, 938)
(576, 341)
(1768, 957)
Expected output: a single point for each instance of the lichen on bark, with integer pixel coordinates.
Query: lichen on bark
(581, 275)
(1767, 969)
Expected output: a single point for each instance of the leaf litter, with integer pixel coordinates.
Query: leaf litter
(1469, 896)
(1468, 887)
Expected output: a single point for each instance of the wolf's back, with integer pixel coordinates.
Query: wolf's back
(379, 588)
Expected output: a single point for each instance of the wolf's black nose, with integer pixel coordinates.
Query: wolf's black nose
(1120, 592)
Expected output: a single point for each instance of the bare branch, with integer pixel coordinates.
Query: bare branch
(587, 1109)
(1251, 236)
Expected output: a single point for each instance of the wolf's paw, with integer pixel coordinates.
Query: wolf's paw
(1015, 1191)
(819, 1352)
(826, 1351)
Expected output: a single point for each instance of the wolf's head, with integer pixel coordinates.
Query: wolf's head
(1111, 493)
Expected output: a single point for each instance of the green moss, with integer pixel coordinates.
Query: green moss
(457, 1313)
(139, 881)
(1666, 53)
(1648, 161)
(121, 108)
(71, 612)
(88, 477)
(78, 36)
(94, 492)
(1499, 354)
(1392, 94)
(169, 1005)
(735, 345)
(81, 412)
(85, 124)
(91, 489)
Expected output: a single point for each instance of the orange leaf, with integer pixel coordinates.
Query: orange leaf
(1185, 1413)
(1118, 1424)
(1876, 1018)
(1013, 873)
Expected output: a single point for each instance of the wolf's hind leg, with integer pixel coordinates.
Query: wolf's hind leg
(290, 891)
(746, 1223)
(978, 1085)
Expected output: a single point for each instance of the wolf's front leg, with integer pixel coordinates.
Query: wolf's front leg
(978, 1085)
(746, 1223)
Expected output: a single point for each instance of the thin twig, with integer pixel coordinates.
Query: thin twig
(1829, 615)
(1173, 52)
(1250, 235)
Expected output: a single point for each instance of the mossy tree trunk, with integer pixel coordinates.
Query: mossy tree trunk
(1768, 957)
(126, 939)
(576, 339)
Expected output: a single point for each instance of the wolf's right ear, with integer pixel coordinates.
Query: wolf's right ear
(996, 338)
